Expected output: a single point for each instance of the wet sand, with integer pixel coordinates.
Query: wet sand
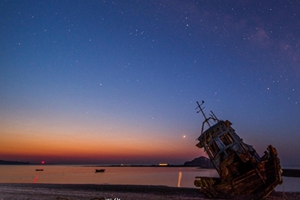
(22, 191)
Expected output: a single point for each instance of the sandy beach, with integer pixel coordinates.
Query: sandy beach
(11, 191)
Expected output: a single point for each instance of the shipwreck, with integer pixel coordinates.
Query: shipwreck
(241, 170)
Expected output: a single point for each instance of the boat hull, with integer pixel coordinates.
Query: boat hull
(99, 170)
(259, 181)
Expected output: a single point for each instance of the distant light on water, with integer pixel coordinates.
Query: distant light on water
(163, 164)
(36, 178)
(179, 179)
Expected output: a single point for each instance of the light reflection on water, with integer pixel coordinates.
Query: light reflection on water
(113, 175)
(72, 174)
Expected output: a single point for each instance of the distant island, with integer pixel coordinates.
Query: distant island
(201, 162)
(4, 162)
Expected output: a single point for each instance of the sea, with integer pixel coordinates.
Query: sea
(75, 174)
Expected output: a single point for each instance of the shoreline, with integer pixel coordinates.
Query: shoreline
(110, 192)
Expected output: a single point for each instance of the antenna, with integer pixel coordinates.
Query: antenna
(201, 110)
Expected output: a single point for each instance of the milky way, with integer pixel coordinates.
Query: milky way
(117, 81)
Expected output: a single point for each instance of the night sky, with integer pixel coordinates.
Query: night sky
(117, 81)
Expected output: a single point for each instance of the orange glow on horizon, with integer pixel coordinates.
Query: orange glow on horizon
(40, 144)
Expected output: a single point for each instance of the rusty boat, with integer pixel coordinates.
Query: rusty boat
(241, 170)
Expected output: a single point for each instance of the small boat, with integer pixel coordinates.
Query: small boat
(99, 170)
(241, 170)
(39, 170)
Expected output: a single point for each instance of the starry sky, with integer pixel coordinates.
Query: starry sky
(117, 81)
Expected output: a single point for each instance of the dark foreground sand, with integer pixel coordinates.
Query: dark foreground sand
(109, 192)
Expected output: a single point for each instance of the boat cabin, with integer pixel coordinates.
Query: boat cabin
(221, 143)
(241, 169)
(224, 147)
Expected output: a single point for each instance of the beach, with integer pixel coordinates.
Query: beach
(22, 191)
(117, 183)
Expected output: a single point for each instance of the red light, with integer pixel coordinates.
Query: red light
(43, 162)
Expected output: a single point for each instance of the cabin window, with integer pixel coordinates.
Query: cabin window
(213, 134)
(214, 148)
(208, 138)
(226, 139)
(224, 128)
(217, 131)
(209, 152)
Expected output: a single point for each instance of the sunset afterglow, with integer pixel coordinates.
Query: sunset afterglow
(111, 82)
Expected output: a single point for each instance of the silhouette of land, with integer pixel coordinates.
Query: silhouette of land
(4, 162)
(291, 172)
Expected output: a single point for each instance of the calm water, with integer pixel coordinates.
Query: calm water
(168, 176)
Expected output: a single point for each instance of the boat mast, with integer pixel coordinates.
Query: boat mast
(201, 110)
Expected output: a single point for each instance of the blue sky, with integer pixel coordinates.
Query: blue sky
(130, 72)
